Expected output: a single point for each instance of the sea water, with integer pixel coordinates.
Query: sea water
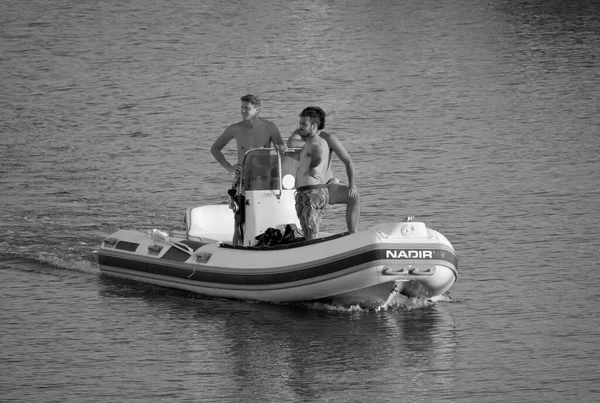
(479, 118)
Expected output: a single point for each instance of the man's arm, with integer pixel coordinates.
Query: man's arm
(339, 150)
(295, 140)
(276, 138)
(218, 145)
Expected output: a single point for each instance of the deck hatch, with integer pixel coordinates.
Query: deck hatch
(128, 246)
(176, 255)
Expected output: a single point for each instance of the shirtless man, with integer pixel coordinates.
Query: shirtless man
(338, 193)
(311, 191)
(251, 132)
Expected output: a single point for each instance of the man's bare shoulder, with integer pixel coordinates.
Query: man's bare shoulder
(331, 139)
(327, 136)
(268, 125)
(236, 127)
(319, 142)
(314, 143)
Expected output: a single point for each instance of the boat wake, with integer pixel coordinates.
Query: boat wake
(70, 262)
(399, 303)
(47, 260)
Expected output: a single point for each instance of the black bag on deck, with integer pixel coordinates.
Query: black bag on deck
(273, 236)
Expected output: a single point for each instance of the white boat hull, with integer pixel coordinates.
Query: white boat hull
(353, 267)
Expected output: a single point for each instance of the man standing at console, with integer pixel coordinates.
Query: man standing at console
(338, 193)
(251, 132)
(311, 191)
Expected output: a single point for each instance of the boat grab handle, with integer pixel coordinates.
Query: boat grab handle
(279, 169)
(182, 247)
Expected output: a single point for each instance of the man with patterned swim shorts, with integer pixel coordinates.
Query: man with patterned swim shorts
(311, 191)
(338, 192)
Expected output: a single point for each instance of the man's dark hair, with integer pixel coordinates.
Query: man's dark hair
(253, 99)
(316, 115)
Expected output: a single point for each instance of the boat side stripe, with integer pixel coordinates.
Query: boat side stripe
(210, 274)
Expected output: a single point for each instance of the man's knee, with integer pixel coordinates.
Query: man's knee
(352, 200)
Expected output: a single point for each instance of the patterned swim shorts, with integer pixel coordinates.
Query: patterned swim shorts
(310, 203)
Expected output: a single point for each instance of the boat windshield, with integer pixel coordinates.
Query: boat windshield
(261, 169)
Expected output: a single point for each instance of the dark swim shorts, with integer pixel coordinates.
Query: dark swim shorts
(310, 203)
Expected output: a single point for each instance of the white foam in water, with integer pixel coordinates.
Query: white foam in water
(400, 302)
(75, 263)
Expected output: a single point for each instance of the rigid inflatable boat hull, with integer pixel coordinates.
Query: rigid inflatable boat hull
(354, 267)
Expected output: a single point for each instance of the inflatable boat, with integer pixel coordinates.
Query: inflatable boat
(253, 249)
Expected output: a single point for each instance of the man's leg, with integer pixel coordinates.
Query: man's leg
(309, 208)
(233, 204)
(339, 194)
